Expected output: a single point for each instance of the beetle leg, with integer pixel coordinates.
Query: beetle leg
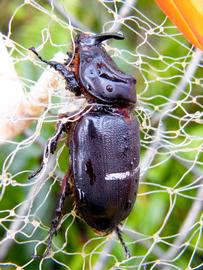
(50, 147)
(65, 191)
(52, 143)
(127, 252)
(68, 75)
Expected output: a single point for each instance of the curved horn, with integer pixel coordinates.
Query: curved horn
(104, 36)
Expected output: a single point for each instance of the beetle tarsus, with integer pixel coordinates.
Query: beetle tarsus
(127, 252)
(36, 172)
(65, 190)
(53, 142)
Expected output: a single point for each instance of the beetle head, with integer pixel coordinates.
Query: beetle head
(98, 73)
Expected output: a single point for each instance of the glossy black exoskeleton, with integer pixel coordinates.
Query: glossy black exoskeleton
(104, 142)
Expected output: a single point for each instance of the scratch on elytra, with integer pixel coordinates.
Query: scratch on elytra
(121, 175)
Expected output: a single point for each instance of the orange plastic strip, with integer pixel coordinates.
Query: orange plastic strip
(188, 17)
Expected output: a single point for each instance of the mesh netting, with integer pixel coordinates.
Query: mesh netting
(164, 230)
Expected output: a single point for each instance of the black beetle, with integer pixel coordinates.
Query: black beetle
(104, 142)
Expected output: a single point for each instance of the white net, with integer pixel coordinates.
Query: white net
(164, 230)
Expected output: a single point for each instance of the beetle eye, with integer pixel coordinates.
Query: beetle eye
(109, 88)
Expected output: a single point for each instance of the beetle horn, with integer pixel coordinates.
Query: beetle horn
(104, 36)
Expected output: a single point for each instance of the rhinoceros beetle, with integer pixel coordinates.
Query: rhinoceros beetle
(104, 141)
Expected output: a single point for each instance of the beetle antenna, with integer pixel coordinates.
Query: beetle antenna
(127, 252)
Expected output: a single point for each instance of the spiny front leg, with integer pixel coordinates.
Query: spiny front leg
(68, 75)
